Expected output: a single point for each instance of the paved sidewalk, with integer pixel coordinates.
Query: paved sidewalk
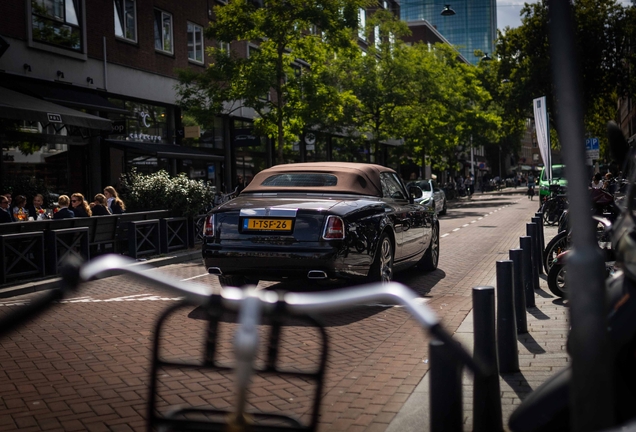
(542, 352)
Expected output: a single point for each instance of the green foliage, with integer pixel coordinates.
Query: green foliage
(604, 33)
(159, 191)
(288, 43)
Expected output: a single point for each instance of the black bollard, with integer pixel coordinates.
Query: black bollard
(531, 230)
(506, 321)
(539, 251)
(541, 232)
(446, 389)
(516, 256)
(486, 391)
(526, 269)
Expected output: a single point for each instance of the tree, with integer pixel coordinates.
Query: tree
(603, 32)
(289, 42)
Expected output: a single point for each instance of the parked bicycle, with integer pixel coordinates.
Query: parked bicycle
(258, 311)
(555, 204)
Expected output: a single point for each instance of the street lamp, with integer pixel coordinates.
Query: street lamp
(447, 11)
(486, 57)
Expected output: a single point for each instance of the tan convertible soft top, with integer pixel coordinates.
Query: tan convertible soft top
(354, 178)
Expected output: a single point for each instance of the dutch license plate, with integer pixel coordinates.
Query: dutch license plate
(267, 224)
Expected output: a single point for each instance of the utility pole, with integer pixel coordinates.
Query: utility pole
(472, 158)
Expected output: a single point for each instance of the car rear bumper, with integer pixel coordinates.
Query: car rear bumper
(267, 263)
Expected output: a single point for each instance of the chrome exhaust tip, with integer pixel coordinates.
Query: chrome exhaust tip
(316, 274)
(215, 271)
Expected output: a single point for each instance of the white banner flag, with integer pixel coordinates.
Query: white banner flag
(543, 134)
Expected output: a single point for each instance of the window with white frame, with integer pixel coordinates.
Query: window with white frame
(376, 37)
(126, 19)
(163, 31)
(362, 23)
(195, 43)
(58, 23)
(223, 46)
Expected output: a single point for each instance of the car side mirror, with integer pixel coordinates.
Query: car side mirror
(415, 192)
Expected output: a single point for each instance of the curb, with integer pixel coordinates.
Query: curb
(50, 283)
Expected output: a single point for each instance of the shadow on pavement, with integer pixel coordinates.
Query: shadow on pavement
(530, 343)
(536, 312)
(518, 384)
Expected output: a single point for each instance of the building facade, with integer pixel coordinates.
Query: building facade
(93, 94)
(472, 27)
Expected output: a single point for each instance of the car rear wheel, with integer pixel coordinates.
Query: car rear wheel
(382, 268)
(431, 258)
(444, 209)
(236, 281)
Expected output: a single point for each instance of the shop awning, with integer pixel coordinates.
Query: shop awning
(165, 150)
(70, 97)
(18, 106)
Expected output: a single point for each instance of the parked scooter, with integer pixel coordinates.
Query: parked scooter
(557, 282)
(547, 408)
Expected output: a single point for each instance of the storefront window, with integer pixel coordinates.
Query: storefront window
(144, 123)
(250, 151)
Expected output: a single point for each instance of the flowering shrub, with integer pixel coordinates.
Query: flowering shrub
(159, 191)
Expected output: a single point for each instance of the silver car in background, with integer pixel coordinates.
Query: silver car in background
(432, 192)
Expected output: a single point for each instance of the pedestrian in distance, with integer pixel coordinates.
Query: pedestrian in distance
(530, 181)
(597, 181)
(79, 206)
(64, 213)
(5, 216)
(115, 204)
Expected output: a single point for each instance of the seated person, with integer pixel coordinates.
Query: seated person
(79, 206)
(115, 204)
(35, 209)
(5, 216)
(20, 213)
(100, 206)
(64, 212)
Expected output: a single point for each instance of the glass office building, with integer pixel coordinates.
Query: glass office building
(473, 27)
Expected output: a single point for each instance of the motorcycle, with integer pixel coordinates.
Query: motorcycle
(557, 273)
(547, 408)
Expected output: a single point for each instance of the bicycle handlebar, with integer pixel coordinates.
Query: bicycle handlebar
(295, 303)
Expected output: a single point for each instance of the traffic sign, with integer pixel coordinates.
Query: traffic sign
(592, 150)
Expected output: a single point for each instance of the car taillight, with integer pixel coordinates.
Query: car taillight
(208, 228)
(334, 228)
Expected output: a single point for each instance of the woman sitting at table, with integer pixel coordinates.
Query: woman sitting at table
(79, 206)
(100, 206)
(20, 213)
(115, 204)
(36, 208)
(63, 212)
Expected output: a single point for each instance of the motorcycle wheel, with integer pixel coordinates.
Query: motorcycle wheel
(558, 244)
(556, 280)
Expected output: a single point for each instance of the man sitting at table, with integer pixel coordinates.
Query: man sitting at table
(64, 212)
(5, 216)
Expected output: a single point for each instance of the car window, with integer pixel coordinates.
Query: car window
(301, 180)
(425, 185)
(557, 173)
(391, 187)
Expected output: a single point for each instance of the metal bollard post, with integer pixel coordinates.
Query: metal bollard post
(506, 321)
(486, 391)
(446, 389)
(539, 251)
(516, 256)
(531, 230)
(541, 231)
(526, 269)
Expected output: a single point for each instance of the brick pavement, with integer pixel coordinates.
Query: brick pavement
(84, 365)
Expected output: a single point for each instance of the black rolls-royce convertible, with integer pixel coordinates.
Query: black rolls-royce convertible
(322, 220)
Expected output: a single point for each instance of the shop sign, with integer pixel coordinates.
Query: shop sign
(119, 127)
(143, 118)
(54, 118)
(144, 137)
(192, 131)
(244, 138)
